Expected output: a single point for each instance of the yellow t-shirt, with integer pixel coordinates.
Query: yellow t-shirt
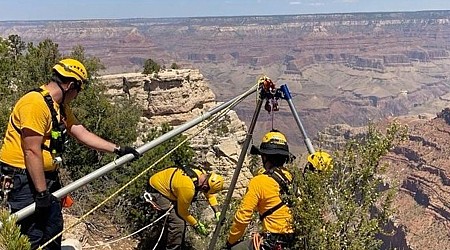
(31, 112)
(183, 190)
(263, 193)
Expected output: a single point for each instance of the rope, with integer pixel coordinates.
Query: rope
(257, 239)
(136, 232)
(216, 117)
(161, 234)
(271, 112)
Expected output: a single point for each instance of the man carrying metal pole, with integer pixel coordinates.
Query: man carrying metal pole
(33, 145)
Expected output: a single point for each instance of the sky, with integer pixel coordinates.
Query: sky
(112, 9)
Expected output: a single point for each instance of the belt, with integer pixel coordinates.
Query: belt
(7, 169)
(281, 238)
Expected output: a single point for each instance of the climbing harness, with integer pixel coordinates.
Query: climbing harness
(189, 171)
(7, 184)
(270, 241)
(284, 183)
(149, 199)
(274, 241)
(58, 134)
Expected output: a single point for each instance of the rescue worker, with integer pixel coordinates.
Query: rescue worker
(263, 194)
(319, 161)
(178, 187)
(32, 148)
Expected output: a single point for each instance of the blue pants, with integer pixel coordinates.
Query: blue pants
(39, 229)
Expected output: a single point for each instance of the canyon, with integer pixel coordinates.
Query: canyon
(341, 68)
(343, 71)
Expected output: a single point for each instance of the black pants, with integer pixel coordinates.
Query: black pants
(176, 226)
(39, 229)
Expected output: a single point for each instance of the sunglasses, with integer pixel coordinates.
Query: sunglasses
(78, 86)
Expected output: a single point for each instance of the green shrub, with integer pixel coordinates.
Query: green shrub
(10, 237)
(151, 66)
(348, 207)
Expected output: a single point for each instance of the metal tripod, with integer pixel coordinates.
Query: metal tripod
(264, 94)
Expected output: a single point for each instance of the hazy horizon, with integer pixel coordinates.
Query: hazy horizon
(48, 10)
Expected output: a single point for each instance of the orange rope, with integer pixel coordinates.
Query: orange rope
(257, 239)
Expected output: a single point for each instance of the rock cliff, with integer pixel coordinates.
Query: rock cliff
(419, 168)
(176, 97)
(342, 68)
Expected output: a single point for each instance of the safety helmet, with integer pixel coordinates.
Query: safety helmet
(215, 183)
(72, 68)
(321, 161)
(273, 143)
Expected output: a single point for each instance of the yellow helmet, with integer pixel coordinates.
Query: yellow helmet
(71, 68)
(273, 143)
(215, 183)
(321, 161)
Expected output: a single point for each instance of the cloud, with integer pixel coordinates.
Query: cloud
(294, 3)
(349, 1)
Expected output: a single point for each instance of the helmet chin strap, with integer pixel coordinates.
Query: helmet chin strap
(63, 93)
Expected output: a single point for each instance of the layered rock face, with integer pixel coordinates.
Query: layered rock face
(176, 97)
(341, 68)
(420, 169)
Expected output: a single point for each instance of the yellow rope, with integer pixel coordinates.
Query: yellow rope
(216, 117)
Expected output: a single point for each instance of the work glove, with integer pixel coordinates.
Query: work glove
(43, 202)
(201, 229)
(217, 216)
(121, 151)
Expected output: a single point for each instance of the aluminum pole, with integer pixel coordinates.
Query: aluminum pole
(237, 170)
(287, 96)
(29, 210)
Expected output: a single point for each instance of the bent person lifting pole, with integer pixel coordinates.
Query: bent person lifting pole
(27, 211)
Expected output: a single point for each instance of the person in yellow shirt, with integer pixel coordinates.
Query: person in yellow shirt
(178, 187)
(33, 145)
(263, 194)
